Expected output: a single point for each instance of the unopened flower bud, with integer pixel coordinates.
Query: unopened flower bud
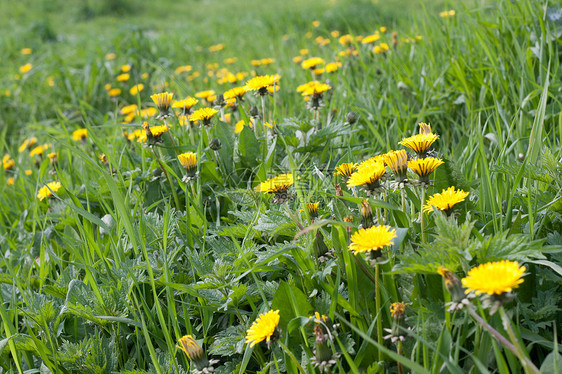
(351, 118)
(215, 144)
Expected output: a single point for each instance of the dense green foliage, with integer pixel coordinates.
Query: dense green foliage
(130, 255)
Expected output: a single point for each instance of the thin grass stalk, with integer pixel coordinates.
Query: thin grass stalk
(422, 215)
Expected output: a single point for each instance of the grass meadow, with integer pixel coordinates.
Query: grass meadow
(324, 186)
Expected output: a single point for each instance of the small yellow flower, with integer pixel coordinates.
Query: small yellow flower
(397, 309)
(45, 191)
(313, 209)
(425, 128)
(313, 88)
(204, 115)
(126, 68)
(236, 92)
(38, 151)
(368, 173)
(10, 181)
(240, 125)
(163, 101)
(158, 130)
(26, 51)
(315, 23)
(136, 89)
(397, 161)
(370, 39)
(188, 160)
(185, 104)
(494, 278)
(332, 66)
(205, 94)
(110, 56)
(423, 167)
(27, 144)
(7, 162)
(297, 59)
(123, 77)
(216, 47)
(80, 134)
(261, 83)
(114, 92)
(445, 200)
(148, 112)
(28, 172)
(263, 328)
(230, 60)
(420, 143)
(183, 69)
(312, 63)
(346, 169)
(25, 68)
(374, 238)
(128, 109)
(279, 184)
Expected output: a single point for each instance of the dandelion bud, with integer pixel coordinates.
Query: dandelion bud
(196, 354)
(454, 286)
(323, 358)
(366, 214)
(215, 144)
(254, 112)
(219, 101)
(157, 172)
(312, 210)
(349, 229)
(351, 118)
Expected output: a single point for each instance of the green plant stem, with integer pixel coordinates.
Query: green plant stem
(399, 351)
(174, 194)
(403, 196)
(527, 364)
(422, 215)
(378, 308)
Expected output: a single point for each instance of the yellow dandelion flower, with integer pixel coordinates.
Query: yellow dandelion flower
(128, 109)
(114, 92)
(185, 104)
(183, 69)
(123, 77)
(27, 144)
(126, 68)
(332, 66)
(204, 115)
(25, 68)
(425, 128)
(494, 278)
(7, 162)
(158, 130)
(312, 209)
(315, 23)
(148, 112)
(346, 39)
(261, 83)
(279, 184)
(297, 59)
(230, 60)
(240, 126)
(397, 309)
(423, 167)
(188, 160)
(397, 161)
(319, 318)
(216, 47)
(163, 101)
(420, 143)
(368, 174)
(26, 51)
(370, 39)
(80, 134)
(312, 63)
(136, 89)
(263, 328)
(233, 93)
(374, 238)
(47, 191)
(38, 151)
(346, 169)
(335, 33)
(205, 94)
(110, 56)
(10, 181)
(445, 200)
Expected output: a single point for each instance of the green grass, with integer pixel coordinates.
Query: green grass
(128, 256)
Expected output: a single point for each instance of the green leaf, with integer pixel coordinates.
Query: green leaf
(291, 303)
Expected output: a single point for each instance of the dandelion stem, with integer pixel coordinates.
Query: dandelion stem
(399, 351)
(403, 196)
(174, 194)
(378, 308)
(422, 216)
(527, 364)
